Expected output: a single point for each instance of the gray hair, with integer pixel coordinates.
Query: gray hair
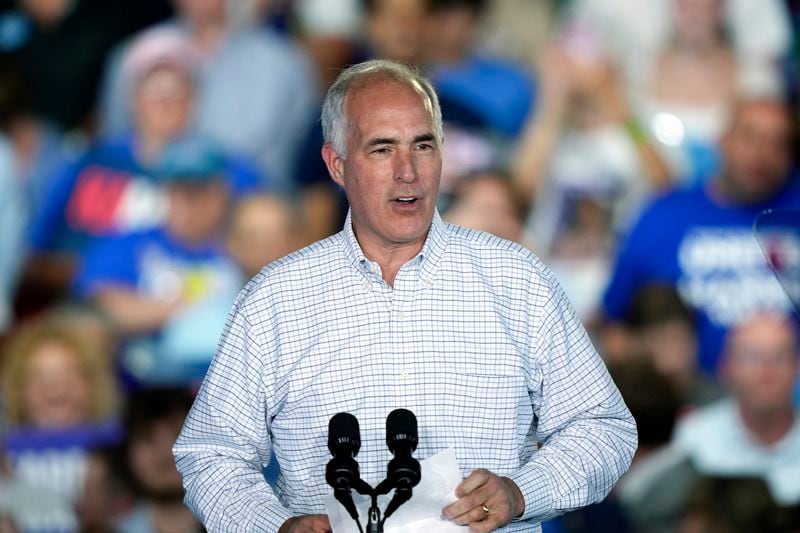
(334, 117)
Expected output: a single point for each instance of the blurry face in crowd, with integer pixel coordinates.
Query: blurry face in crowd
(393, 166)
(698, 22)
(163, 103)
(761, 363)
(396, 29)
(202, 11)
(673, 347)
(261, 232)
(47, 12)
(56, 391)
(450, 32)
(756, 151)
(487, 205)
(103, 499)
(196, 211)
(150, 458)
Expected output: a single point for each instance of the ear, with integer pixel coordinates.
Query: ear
(335, 164)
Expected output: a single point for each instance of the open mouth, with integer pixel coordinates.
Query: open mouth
(406, 200)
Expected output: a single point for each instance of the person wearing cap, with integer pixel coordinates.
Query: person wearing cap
(258, 90)
(111, 188)
(147, 281)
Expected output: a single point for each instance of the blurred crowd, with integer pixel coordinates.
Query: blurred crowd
(155, 154)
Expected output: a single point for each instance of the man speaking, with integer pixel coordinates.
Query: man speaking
(400, 310)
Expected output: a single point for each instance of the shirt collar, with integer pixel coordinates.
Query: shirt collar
(429, 256)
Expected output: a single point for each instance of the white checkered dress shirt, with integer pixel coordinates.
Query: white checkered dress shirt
(476, 338)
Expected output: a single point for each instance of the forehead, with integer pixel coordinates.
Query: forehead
(767, 114)
(386, 103)
(163, 76)
(765, 329)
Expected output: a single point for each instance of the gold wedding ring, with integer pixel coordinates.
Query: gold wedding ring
(485, 509)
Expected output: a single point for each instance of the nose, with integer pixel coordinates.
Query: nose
(404, 169)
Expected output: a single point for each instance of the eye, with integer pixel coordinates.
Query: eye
(424, 147)
(381, 151)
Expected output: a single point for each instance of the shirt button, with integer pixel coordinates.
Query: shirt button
(402, 316)
(404, 374)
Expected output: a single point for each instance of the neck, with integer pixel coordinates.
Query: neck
(149, 147)
(699, 48)
(392, 260)
(767, 426)
(390, 257)
(172, 517)
(725, 190)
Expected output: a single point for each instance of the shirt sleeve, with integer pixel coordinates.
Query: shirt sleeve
(225, 441)
(630, 268)
(48, 220)
(587, 433)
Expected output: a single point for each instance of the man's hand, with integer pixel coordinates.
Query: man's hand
(315, 523)
(484, 490)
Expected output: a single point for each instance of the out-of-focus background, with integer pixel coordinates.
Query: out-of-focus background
(155, 154)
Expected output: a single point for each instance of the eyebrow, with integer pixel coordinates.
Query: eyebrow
(382, 140)
(426, 137)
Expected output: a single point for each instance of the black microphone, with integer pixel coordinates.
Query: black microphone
(403, 472)
(344, 441)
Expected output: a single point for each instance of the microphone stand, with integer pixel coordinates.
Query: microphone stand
(374, 522)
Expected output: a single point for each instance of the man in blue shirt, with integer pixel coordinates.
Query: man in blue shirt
(146, 281)
(701, 239)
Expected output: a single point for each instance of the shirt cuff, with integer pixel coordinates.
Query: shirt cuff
(268, 517)
(272, 517)
(537, 489)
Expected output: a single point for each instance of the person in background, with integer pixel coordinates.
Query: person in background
(628, 30)
(683, 93)
(30, 151)
(732, 504)
(151, 283)
(395, 29)
(37, 147)
(53, 379)
(485, 98)
(261, 229)
(60, 402)
(487, 201)
(699, 239)
(13, 217)
(111, 189)
(756, 430)
(652, 493)
(256, 89)
(330, 31)
(61, 46)
(663, 327)
(584, 163)
(496, 94)
(37, 508)
(153, 420)
(106, 496)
